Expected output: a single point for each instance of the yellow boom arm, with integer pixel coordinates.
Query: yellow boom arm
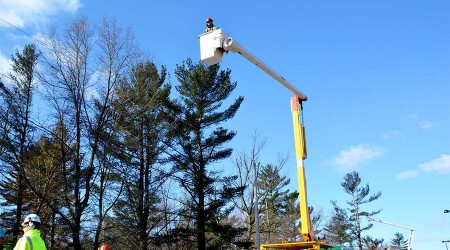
(300, 155)
(212, 47)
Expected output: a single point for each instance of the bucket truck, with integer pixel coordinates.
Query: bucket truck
(213, 45)
(411, 230)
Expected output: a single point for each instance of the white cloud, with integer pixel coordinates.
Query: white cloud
(356, 156)
(424, 124)
(5, 64)
(392, 134)
(428, 124)
(439, 165)
(407, 175)
(21, 13)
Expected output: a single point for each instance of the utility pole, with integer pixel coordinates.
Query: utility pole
(255, 195)
(445, 241)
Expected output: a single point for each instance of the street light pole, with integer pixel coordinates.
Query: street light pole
(446, 211)
(255, 195)
(445, 241)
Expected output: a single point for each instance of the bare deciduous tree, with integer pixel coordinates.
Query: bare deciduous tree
(248, 165)
(81, 69)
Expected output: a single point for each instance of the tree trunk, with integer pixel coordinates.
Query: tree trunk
(201, 211)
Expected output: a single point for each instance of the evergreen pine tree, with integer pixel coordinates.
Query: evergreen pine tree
(371, 243)
(46, 174)
(338, 229)
(275, 198)
(16, 135)
(140, 104)
(399, 241)
(197, 141)
(352, 186)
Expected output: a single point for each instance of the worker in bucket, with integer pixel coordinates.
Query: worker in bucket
(32, 236)
(210, 27)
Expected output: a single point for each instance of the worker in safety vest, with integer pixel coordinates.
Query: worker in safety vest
(104, 247)
(2, 238)
(210, 27)
(31, 239)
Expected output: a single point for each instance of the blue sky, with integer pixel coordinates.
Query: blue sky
(377, 74)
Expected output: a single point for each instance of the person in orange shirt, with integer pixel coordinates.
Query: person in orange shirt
(104, 247)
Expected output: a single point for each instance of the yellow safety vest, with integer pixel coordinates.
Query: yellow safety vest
(31, 240)
(210, 29)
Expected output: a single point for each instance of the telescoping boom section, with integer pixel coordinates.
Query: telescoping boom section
(212, 47)
(411, 230)
(214, 44)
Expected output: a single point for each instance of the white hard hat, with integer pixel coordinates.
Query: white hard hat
(32, 218)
